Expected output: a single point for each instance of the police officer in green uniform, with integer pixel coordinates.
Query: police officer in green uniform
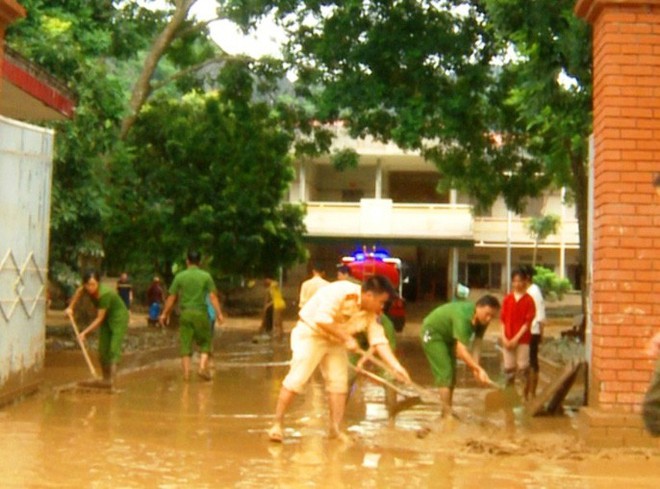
(191, 287)
(111, 318)
(446, 334)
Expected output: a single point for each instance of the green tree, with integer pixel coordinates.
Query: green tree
(479, 86)
(82, 43)
(116, 57)
(539, 228)
(209, 171)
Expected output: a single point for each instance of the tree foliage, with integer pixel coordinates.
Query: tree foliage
(209, 170)
(473, 84)
(540, 228)
(552, 287)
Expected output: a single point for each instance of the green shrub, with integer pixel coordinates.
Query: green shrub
(551, 285)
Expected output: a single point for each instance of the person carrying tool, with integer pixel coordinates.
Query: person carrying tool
(445, 336)
(111, 318)
(323, 336)
(191, 288)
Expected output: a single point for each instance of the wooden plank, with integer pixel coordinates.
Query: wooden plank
(552, 396)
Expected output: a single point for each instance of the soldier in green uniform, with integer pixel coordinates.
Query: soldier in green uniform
(111, 318)
(446, 334)
(191, 288)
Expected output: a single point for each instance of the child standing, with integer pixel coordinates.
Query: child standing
(517, 314)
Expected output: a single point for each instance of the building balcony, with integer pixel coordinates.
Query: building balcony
(381, 220)
(493, 231)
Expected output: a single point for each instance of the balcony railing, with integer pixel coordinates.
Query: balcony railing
(493, 231)
(381, 218)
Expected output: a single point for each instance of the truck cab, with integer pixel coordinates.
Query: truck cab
(364, 264)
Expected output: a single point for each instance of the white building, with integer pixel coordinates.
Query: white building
(390, 200)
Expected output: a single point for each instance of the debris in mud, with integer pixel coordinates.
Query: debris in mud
(562, 350)
(563, 449)
(60, 338)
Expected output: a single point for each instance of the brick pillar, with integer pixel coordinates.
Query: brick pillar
(626, 234)
(10, 10)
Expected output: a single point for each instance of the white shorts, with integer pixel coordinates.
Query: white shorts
(516, 359)
(310, 350)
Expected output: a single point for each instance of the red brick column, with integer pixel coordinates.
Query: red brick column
(626, 234)
(10, 10)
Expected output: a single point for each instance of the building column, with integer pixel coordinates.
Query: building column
(562, 241)
(626, 226)
(452, 273)
(452, 269)
(378, 194)
(302, 185)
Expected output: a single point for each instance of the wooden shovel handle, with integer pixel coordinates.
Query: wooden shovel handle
(379, 363)
(379, 380)
(83, 347)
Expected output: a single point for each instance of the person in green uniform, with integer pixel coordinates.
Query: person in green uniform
(446, 334)
(111, 318)
(191, 288)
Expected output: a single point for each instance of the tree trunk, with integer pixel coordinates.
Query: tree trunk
(142, 88)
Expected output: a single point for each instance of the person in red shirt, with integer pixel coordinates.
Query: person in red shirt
(517, 314)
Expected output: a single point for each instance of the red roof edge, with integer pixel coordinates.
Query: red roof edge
(41, 86)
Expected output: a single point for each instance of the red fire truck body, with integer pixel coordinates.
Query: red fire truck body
(365, 264)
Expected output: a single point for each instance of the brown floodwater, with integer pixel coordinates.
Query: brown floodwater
(160, 432)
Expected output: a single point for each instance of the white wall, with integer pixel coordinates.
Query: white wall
(25, 189)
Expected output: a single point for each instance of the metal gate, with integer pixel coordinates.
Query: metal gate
(25, 187)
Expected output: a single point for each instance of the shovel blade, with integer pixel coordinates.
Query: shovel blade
(506, 398)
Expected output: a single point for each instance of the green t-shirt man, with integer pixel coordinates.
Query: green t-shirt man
(441, 329)
(192, 286)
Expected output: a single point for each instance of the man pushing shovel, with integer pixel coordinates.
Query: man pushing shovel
(323, 336)
(445, 335)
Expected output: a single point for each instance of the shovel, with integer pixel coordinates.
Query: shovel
(395, 408)
(501, 398)
(83, 348)
(426, 395)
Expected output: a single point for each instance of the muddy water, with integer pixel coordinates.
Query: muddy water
(161, 432)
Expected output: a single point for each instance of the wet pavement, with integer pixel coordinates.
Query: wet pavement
(158, 431)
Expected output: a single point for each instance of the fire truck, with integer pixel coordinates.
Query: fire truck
(363, 264)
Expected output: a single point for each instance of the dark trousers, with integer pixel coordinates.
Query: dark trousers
(534, 352)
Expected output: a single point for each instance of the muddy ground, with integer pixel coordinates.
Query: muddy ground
(158, 431)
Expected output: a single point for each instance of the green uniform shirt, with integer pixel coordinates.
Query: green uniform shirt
(116, 313)
(449, 323)
(192, 286)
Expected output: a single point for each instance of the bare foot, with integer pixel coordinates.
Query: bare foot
(275, 433)
(204, 374)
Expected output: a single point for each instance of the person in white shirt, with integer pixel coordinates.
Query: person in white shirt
(537, 333)
(310, 286)
(322, 338)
